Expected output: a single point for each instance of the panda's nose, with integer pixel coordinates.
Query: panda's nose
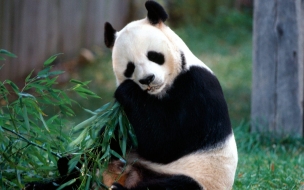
(147, 80)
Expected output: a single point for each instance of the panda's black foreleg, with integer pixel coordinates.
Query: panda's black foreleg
(176, 182)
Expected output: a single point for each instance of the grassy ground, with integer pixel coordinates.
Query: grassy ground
(266, 162)
(226, 47)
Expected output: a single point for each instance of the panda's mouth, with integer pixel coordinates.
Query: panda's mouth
(152, 89)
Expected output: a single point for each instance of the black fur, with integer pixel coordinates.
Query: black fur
(156, 57)
(183, 61)
(147, 80)
(109, 35)
(62, 165)
(176, 182)
(156, 13)
(129, 70)
(192, 116)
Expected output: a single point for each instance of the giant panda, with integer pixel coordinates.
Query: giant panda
(176, 107)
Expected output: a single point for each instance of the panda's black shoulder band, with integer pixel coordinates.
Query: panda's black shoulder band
(156, 12)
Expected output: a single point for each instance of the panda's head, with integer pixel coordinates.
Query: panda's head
(146, 51)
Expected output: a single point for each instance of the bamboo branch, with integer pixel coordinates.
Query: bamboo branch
(30, 142)
(37, 145)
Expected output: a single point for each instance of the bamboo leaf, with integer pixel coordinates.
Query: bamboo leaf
(29, 76)
(88, 183)
(11, 163)
(51, 59)
(106, 154)
(132, 135)
(50, 155)
(103, 108)
(52, 119)
(80, 138)
(5, 52)
(123, 134)
(55, 73)
(85, 123)
(116, 155)
(44, 72)
(36, 86)
(27, 95)
(39, 156)
(116, 105)
(79, 82)
(66, 110)
(73, 162)
(10, 183)
(66, 184)
(82, 92)
(67, 100)
(26, 118)
(89, 111)
(13, 85)
(43, 122)
(18, 178)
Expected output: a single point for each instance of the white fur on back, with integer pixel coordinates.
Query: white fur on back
(191, 59)
(212, 169)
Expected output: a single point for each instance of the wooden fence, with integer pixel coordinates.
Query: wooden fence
(36, 29)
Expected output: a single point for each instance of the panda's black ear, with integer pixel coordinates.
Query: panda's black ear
(109, 35)
(156, 13)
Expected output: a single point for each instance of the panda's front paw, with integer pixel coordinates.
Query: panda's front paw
(117, 186)
(127, 91)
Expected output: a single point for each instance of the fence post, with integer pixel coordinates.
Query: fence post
(278, 58)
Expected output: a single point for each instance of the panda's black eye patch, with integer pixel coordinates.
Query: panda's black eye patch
(156, 57)
(130, 69)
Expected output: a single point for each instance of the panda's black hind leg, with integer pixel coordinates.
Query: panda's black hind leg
(63, 166)
(176, 182)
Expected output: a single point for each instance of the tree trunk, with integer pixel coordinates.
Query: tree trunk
(278, 58)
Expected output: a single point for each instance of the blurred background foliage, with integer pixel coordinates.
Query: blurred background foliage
(193, 11)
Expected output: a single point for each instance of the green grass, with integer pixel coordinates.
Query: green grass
(266, 162)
